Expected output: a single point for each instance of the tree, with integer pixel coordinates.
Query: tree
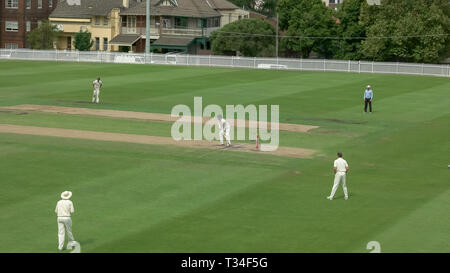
(43, 36)
(82, 41)
(307, 20)
(348, 15)
(249, 37)
(406, 30)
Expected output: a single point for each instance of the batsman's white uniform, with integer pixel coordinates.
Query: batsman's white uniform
(341, 170)
(64, 208)
(224, 130)
(96, 96)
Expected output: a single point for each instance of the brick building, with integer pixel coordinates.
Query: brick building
(18, 17)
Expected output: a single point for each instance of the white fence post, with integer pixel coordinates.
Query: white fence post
(372, 66)
(359, 66)
(301, 63)
(397, 68)
(324, 65)
(349, 66)
(209, 60)
(423, 68)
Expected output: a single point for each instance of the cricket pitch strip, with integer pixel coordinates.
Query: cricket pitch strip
(143, 139)
(298, 128)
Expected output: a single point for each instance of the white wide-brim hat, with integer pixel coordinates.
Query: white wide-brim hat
(368, 86)
(66, 195)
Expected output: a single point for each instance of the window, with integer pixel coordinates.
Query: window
(12, 4)
(39, 23)
(105, 44)
(12, 26)
(181, 22)
(97, 43)
(28, 4)
(11, 46)
(105, 21)
(39, 4)
(28, 26)
(50, 3)
(97, 20)
(69, 42)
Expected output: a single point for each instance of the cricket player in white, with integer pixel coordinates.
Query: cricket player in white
(340, 171)
(97, 84)
(224, 130)
(64, 208)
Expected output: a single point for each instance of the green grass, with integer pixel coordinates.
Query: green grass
(151, 198)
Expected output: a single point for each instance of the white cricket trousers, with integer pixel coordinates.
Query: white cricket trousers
(338, 178)
(96, 96)
(64, 226)
(225, 133)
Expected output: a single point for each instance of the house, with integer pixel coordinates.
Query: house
(334, 3)
(229, 11)
(18, 17)
(99, 17)
(175, 25)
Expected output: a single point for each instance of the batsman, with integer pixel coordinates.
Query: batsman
(224, 130)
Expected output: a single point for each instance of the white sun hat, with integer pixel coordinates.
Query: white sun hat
(368, 86)
(66, 195)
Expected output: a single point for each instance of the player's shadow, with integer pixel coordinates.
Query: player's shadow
(87, 242)
(350, 196)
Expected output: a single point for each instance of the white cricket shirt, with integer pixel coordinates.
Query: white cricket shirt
(97, 85)
(64, 208)
(224, 125)
(340, 164)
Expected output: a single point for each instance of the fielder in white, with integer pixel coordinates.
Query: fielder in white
(64, 208)
(224, 130)
(340, 171)
(97, 84)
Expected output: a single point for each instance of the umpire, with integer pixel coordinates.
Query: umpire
(368, 97)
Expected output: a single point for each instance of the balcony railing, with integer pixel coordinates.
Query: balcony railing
(140, 30)
(155, 31)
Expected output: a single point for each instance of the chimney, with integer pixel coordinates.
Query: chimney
(126, 3)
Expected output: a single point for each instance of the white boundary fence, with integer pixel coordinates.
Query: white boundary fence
(227, 61)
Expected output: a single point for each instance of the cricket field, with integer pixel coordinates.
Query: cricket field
(157, 197)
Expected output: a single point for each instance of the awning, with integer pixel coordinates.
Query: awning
(173, 42)
(125, 39)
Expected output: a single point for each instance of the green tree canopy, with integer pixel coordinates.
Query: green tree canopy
(43, 36)
(348, 14)
(82, 41)
(399, 21)
(247, 36)
(307, 19)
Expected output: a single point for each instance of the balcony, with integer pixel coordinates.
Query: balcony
(140, 30)
(155, 31)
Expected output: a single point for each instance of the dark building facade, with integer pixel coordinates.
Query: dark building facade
(18, 17)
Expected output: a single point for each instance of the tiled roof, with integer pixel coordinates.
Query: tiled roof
(222, 4)
(87, 8)
(186, 8)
